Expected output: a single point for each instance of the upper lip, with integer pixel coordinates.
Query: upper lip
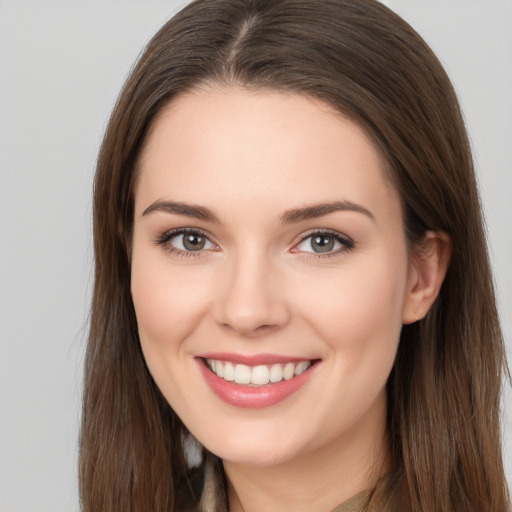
(253, 359)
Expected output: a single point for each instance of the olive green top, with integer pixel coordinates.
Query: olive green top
(375, 500)
(357, 503)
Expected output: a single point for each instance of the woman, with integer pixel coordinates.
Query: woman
(291, 269)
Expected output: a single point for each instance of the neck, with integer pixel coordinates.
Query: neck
(314, 480)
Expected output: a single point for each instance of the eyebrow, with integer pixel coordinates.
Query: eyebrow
(288, 217)
(319, 210)
(189, 210)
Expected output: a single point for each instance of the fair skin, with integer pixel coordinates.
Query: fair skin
(262, 277)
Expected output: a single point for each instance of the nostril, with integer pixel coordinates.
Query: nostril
(250, 330)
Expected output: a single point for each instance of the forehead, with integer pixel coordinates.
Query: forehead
(222, 146)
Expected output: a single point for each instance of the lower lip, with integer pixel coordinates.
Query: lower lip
(247, 397)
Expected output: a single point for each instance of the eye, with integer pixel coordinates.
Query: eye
(324, 243)
(190, 242)
(186, 241)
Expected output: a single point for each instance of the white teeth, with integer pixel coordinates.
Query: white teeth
(302, 367)
(276, 373)
(257, 375)
(289, 371)
(229, 372)
(260, 375)
(242, 374)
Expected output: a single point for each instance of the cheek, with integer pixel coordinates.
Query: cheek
(358, 317)
(168, 305)
(358, 310)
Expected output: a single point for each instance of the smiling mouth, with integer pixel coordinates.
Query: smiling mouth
(255, 376)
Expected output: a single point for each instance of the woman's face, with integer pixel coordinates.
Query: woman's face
(269, 245)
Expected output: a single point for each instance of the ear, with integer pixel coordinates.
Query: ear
(429, 262)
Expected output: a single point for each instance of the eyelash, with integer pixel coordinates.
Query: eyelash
(346, 242)
(169, 235)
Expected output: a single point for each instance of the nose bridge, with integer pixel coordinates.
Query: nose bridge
(251, 301)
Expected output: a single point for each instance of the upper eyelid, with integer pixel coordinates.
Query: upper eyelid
(333, 232)
(179, 231)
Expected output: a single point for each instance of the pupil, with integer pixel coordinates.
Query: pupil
(322, 243)
(193, 242)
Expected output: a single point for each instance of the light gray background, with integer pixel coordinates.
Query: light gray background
(61, 66)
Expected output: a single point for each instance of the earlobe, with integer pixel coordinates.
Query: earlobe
(428, 266)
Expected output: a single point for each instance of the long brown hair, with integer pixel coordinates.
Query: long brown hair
(444, 390)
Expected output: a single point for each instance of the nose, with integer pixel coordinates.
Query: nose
(251, 299)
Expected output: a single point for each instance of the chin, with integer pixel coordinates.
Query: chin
(260, 459)
(246, 450)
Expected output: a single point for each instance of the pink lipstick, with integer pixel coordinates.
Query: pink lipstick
(254, 381)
